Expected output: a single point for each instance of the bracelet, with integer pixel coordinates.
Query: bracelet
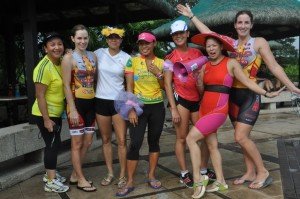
(159, 76)
(192, 16)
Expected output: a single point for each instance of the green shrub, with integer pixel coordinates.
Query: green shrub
(292, 72)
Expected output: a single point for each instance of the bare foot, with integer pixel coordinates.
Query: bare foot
(262, 180)
(244, 179)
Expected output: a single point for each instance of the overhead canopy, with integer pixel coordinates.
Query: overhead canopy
(28, 17)
(64, 14)
(273, 19)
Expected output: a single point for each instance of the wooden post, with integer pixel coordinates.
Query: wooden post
(31, 53)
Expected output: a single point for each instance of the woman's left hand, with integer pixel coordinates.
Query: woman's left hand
(275, 93)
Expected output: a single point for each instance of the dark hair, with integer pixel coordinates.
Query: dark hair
(247, 12)
(76, 28)
(51, 35)
(224, 52)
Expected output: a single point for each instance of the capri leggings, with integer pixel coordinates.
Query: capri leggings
(52, 141)
(154, 117)
(244, 106)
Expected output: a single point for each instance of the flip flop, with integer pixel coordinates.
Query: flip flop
(153, 183)
(76, 182)
(241, 181)
(124, 192)
(268, 181)
(87, 188)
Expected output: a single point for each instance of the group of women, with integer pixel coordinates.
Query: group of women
(91, 81)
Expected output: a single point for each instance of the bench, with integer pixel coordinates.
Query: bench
(22, 153)
(269, 105)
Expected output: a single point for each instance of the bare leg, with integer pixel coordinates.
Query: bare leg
(76, 144)
(86, 143)
(131, 168)
(193, 137)
(51, 174)
(153, 159)
(120, 131)
(104, 124)
(181, 133)
(203, 147)
(212, 143)
(242, 132)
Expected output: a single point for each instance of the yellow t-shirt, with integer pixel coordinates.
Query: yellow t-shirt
(50, 75)
(146, 85)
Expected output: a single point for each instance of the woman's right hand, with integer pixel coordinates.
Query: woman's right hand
(184, 10)
(74, 117)
(133, 118)
(48, 124)
(175, 115)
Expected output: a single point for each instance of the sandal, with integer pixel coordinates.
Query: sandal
(154, 183)
(262, 184)
(217, 186)
(107, 180)
(122, 182)
(90, 188)
(75, 182)
(124, 191)
(203, 183)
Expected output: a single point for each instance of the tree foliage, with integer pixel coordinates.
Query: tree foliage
(287, 53)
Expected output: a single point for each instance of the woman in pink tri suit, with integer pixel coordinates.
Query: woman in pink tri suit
(244, 104)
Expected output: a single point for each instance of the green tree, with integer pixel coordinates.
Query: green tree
(287, 54)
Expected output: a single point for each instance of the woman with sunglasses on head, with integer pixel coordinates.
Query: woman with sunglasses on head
(49, 106)
(243, 108)
(184, 100)
(79, 69)
(111, 67)
(144, 78)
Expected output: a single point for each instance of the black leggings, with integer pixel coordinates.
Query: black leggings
(52, 141)
(154, 116)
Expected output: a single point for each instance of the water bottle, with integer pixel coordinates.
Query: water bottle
(17, 90)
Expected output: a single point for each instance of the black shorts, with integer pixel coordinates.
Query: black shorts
(105, 107)
(192, 106)
(86, 111)
(244, 106)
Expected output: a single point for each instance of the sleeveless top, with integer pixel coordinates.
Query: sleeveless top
(83, 75)
(187, 90)
(216, 75)
(249, 60)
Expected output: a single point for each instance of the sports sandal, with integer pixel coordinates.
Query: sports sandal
(122, 182)
(154, 183)
(203, 183)
(216, 186)
(107, 180)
